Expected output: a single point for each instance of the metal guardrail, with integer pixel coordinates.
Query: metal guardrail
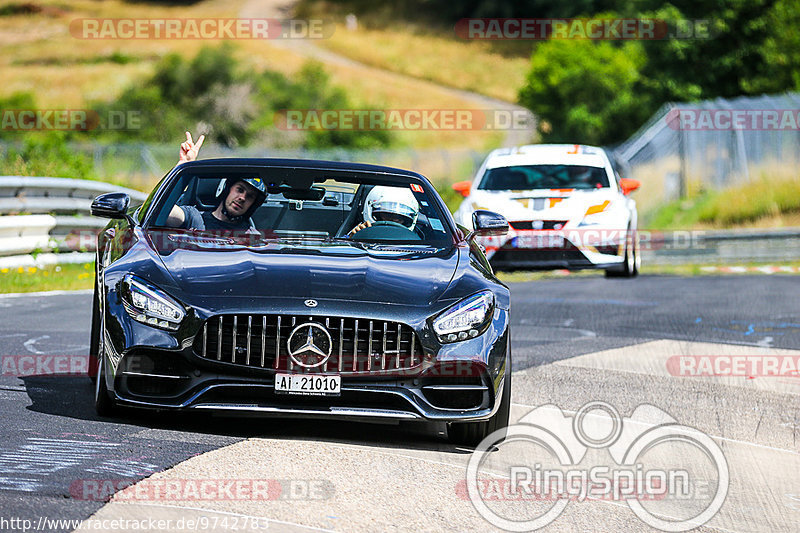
(722, 246)
(38, 215)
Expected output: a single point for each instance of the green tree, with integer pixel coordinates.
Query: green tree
(585, 91)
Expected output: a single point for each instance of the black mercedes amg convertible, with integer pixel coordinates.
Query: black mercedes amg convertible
(300, 288)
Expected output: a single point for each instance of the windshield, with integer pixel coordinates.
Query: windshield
(525, 177)
(347, 209)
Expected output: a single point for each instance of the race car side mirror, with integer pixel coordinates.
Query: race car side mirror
(487, 223)
(462, 188)
(629, 185)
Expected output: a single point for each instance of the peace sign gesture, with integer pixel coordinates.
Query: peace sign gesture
(189, 149)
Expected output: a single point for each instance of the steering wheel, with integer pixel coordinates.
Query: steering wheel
(412, 235)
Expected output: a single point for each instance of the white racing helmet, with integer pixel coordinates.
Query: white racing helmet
(396, 204)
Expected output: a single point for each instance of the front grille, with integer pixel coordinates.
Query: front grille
(569, 256)
(528, 224)
(358, 346)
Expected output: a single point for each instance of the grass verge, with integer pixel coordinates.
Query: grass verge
(766, 202)
(51, 278)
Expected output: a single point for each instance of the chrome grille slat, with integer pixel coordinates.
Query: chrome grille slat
(233, 348)
(369, 348)
(219, 340)
(386, 346)
(264, 339)
(278, 344)
(249, 336)
(205, 338)
(399, 346)
(413, 345)
(355, 347)
(383, 353)
(341, 341)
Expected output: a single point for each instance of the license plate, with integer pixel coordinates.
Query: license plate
(308, 385)
(539, 241)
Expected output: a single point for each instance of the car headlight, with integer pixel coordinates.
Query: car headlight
(149, 305)
(466, 319)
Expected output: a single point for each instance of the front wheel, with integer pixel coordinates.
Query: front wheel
(472, 433)
(94, 340)
(104, 405)
(630, 266)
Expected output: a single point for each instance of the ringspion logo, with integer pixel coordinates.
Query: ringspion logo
(656, 466)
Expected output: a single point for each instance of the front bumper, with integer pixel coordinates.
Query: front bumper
(572, 249)
(456, 382)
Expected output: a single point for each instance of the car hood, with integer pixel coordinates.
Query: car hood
(340, 270)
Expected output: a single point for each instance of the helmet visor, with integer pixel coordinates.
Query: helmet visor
(394, 212)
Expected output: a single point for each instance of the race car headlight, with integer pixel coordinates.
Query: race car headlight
(149, 305)
(466, 319)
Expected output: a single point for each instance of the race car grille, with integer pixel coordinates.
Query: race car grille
(357, 346)
(529, 224)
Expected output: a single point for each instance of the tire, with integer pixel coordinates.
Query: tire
(472, 433)
(94, 340)
(630, 268)
(103, 404)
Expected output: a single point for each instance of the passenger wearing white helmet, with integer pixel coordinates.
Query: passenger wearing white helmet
(395, 205)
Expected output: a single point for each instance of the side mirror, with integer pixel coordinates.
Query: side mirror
(629, 185)
(462, 188)
(111, 205)
(487, 223)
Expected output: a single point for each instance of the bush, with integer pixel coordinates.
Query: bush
(45, 155)
(585, 91)
(232, 106)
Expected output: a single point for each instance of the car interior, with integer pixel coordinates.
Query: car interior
(333, 216)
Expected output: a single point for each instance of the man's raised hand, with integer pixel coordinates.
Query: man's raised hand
(190, 149)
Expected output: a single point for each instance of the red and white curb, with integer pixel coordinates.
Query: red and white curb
(766, 269)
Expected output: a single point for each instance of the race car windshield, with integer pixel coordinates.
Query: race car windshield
(336, 211)
(526, 177)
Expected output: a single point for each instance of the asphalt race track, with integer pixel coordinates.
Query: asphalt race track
(575, 340)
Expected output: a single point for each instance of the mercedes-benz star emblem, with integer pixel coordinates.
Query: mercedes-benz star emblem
(310, 303)
(309, 345)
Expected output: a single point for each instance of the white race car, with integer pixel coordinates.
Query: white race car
(567, 207)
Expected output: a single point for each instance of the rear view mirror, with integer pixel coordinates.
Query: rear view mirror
(312, 194)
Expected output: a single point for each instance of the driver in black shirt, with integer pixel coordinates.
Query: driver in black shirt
(239, 199)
